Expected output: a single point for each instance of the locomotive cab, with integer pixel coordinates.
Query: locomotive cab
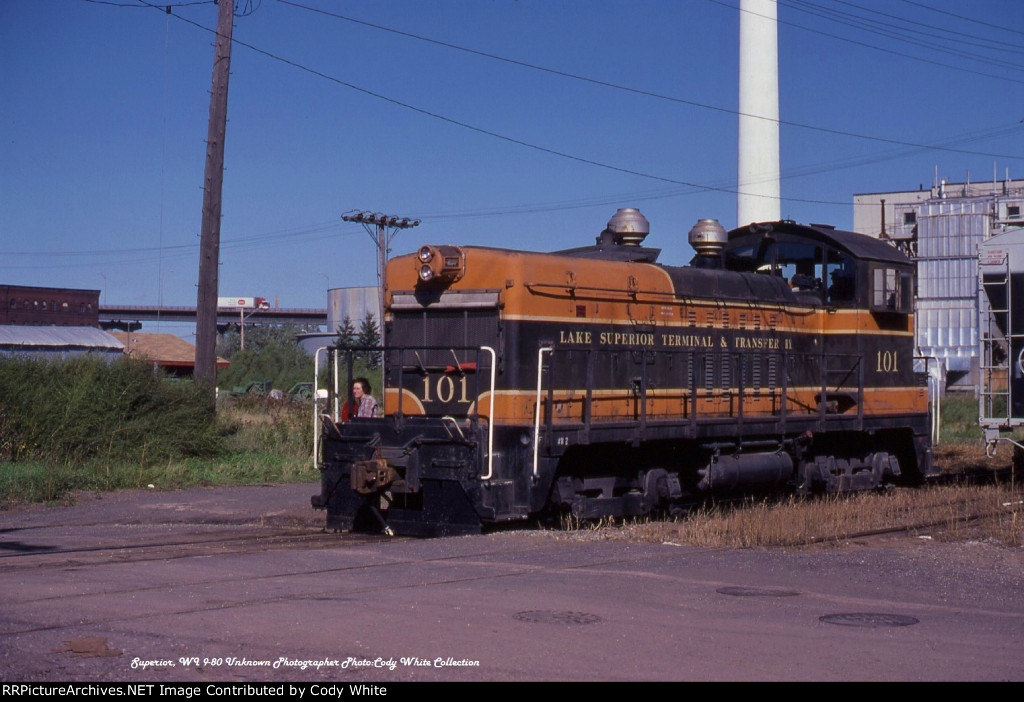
(825, 266)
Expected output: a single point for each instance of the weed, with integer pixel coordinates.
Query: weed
(943, 512)
(88, 425)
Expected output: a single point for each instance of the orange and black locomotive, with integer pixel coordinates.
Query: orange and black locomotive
(597, 382)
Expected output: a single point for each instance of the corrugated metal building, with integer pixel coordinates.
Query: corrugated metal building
(57, 342)
(948, 234)
(941, 228)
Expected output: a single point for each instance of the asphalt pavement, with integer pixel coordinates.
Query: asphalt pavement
(243, 584)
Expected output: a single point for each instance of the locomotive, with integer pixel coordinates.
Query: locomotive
(597, 382)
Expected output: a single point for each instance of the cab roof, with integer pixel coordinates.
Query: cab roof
(860, 246)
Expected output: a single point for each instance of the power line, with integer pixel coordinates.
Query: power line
(953, 67)
(487, 132)
(314, 232)
(165, 6)
(690, 187)
(577, 77)
(259, 241)
(635, 91)
(984, 41)
(1012, 30)
(910, 36)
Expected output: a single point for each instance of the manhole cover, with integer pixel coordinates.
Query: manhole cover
(868, 619)
(548, 617)
(755, 592)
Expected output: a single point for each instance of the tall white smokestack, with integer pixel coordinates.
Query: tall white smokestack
(758, 200)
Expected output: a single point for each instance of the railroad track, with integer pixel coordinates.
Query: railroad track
(18, 552)
(23, 547)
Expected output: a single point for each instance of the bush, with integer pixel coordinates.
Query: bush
(86, 409)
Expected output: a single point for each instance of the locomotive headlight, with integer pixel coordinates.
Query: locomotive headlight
(440, 264)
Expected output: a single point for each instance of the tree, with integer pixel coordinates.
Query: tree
(369, 335)
(346, 334)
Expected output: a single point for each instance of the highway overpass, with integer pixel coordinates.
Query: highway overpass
(130, 317)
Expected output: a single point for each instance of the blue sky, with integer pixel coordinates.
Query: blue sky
(104, 109)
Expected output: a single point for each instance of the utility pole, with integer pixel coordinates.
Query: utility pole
(387, 229)
(213, 179)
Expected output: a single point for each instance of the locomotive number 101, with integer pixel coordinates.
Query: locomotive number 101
(887, 362)
(445, 389)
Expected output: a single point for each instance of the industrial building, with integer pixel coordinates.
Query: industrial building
(57, 343)
(39, 306)
(52, 323)
(59, 323)
(895, 212)
(941, 228)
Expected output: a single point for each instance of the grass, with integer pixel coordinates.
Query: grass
(256, 452)
(984, 513)
(959, 418)
(988, 507)
(89, 425)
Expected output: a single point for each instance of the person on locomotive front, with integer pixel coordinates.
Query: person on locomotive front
(363, 403)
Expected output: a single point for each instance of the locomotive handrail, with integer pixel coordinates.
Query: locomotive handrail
(490, 415)
(336, 411)
(826, 372)
(740, 391)
(588, 406)
(934, 396)
(455, 423)
(784, 390)
(650, 392)
(536, 412)
(631, 294)
(860, 394)
(317, 430)
(643, 393)
(837, 373)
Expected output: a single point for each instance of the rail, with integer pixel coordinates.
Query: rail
(536, 416)
(490, 414)
(399, 361)
(686, 386)
(933, 372)
(317, 428)
(735, 380)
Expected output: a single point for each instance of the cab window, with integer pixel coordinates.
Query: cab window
(890, 289)
(842, 279)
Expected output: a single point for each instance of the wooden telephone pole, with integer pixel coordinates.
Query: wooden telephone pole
(209, 243)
